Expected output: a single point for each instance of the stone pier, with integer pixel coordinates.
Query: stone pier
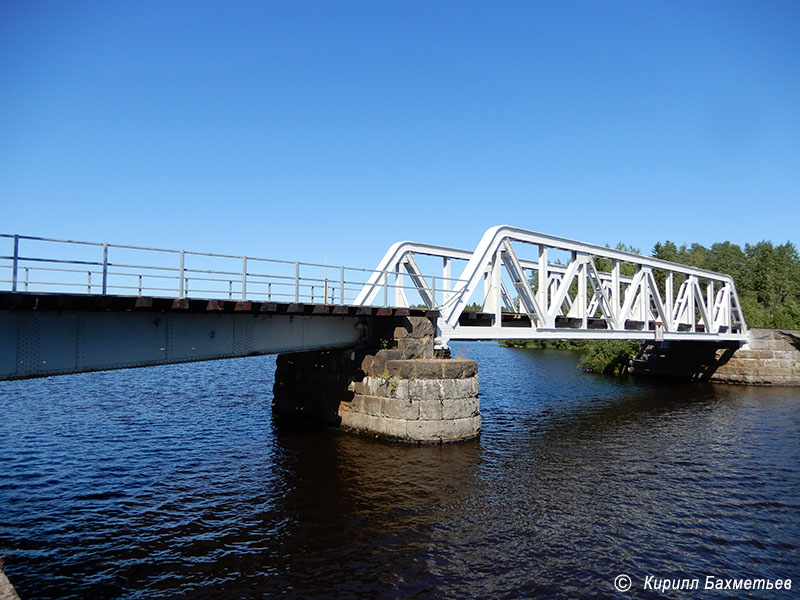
(392, 386)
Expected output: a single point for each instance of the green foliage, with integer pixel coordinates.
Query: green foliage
(767, 277)
(610, 357)
(547, 344)
(388, 380)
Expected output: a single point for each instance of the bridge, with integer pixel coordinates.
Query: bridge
(362, 349)
(72, 305)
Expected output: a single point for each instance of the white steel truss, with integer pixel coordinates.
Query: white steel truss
(587, 296)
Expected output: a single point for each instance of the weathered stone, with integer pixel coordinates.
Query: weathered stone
(459, 408)
(366, 364)
(416, 347)
(421, 327)
(399, 408)
(403, 332)
(402, 369)
(389, 393)
(372, 405)
(463, 388)
(463, 428)
(425, 431)
(430, 410)
(425, 389)
(429, 369)
(459, 368)
(395, 428)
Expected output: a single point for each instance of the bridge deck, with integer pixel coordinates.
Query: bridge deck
(52, 334)
(84, 302)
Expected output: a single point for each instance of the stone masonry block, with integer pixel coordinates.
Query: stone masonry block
(417, 347)
(366, 364)
(427, 431)
(429, 369)
(399, 408)
(449, 388)
(430, 410)
(464, 388)
(400, 333)
(402, 389)
(421, 327)
(425, 389)
(353, 420)
(459, 408)
(394, 428)
(459, 368)
(371, 405)
(402, 369)
(414, 348)
(458, 429)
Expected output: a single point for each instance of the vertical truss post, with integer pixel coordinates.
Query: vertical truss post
(541, 287)
(616, 297)
(399, 292)
(690, 300)
(582, 300)
(668, 291)
(446, 284)
(646, 292)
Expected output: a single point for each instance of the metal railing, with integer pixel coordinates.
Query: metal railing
(48, 265)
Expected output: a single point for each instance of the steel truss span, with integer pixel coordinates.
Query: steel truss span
(567, 290)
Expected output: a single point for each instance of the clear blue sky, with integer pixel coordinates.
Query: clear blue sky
(297, 128)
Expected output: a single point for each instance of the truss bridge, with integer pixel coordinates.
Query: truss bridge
(566, 290)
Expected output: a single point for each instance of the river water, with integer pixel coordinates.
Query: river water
(176, 482)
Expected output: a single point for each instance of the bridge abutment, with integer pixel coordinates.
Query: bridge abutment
(768, 357)
(392, 386)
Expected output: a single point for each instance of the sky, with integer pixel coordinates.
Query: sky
(310, 130)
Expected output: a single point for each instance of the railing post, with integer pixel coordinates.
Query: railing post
(297, 281)
(230, 290)
(26, 278)
(140, 285)
(433, 292)
(244, 278)
(105, 268)
(88, 282)
(385, 288)
(181, 283)
(341, 285)
(269, 291)
(15, 262)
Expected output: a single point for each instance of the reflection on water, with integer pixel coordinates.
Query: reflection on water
(177, 482)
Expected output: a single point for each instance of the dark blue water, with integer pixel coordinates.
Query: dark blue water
(176, 482)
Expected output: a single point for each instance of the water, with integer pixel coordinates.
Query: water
(176, 482)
